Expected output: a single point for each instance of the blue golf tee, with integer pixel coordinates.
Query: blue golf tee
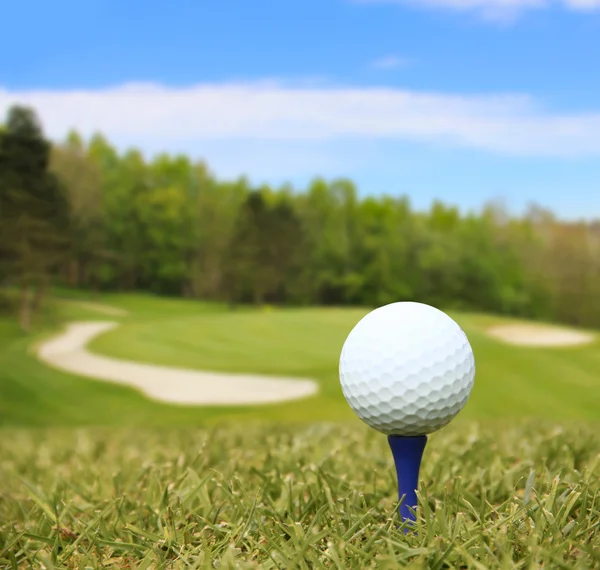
(407, 452)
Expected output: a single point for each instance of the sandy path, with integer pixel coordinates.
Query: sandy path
(539, 335)
(68, 352)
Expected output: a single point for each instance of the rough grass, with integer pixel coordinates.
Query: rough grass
(493, 495)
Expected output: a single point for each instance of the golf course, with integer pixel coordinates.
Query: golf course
(514, 480)
(300, 285)
(551, 383)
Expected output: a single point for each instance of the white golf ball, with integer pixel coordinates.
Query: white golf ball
(407, 369)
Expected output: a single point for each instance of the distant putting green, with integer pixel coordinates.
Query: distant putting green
(511, 382)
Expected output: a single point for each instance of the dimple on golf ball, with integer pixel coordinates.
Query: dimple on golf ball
(407, 369)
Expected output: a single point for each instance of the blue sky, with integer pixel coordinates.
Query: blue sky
(461, 100)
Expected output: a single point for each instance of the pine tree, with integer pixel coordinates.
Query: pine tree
(33, 210)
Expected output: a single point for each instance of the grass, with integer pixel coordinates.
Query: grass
(307, 497)
(512, 382)
(96, 476)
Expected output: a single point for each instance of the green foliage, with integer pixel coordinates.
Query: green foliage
(168, 226)
(86, 233)
(266, 253)
(492, 496)
(34, 210)
(172, 228)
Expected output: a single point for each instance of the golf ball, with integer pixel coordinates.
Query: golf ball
(407, 369)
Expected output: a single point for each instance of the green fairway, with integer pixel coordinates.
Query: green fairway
(278, 496)
(511, 382)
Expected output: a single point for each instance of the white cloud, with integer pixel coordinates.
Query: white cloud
(391, 62)
(494, 9)
(583, 4)
(155, 117)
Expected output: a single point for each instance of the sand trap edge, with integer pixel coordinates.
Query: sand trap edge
(67, 351)
(539, 336)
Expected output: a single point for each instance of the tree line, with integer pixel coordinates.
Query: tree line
(81, 214)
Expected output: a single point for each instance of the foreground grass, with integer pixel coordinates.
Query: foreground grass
(320, 496)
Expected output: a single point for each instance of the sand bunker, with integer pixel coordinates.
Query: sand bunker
(68, 352)
(539, 335)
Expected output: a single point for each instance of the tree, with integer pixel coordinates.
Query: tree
(125, 181)
(168, 225)
(82, 181)
(246, 278)
(285, 253)
(324, 215)
(33, 209)
(214, 210)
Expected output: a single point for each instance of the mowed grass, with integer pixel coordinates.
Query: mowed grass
(511, 382)
(243, 496)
